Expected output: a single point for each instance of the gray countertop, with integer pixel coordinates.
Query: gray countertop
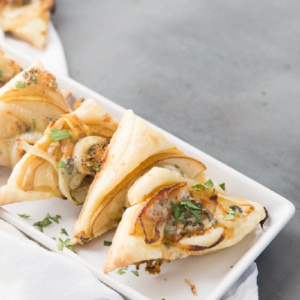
(222, 76)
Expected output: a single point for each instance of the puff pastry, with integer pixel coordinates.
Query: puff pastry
(134, 149)
(28, 102)
(177, 217)
(27, 19)
(8, 68)
(50, 167)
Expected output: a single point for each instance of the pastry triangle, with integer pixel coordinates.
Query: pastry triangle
(27, 19)
(28, 102)
(179, 218)
(65, 160)
(134, 149)
(8, 68)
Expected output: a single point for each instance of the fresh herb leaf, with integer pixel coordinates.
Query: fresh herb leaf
(24, 216)
(55, 219)
(209, 184)
(0, 72)
(34, 80)
(96, 167)
(136, 273)
(67, 243)
(64, 231)
(166, 230)
(107, 243)
(176, 166)
(34, 124)
(176, 210)
(57, 135)
(20, 85)
(196, 213)
(161, 166)
(74, 199)
(231, 215)
(222, 186)
(41, 224)
(213, 191)
(61, 165)
(190, 205)
(53, 238)
(121, 270)
(181, 172)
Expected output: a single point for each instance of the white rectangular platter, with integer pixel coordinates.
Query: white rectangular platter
(212, 274)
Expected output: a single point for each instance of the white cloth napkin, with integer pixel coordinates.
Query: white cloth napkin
(28, 270)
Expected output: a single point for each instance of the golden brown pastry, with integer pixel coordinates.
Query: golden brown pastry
(172, 217)
(8, 68)
(27, 19)
(64, 161)
(28, 102)
(134, 149)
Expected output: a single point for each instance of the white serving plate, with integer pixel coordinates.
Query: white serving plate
(212, 274)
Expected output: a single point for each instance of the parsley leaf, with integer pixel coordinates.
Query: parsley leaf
(136, 273)
(96, 167)
(74, 199)
(34, 80)
(190, 205)
(61, 165)
(64, 231)
(231, 215)
(209, 184)
(20, 85)
(67, 243)
(0, 72)
(121, 270)
(57, 135)
(24, 216)
(55, 219)
(107, 243)
(196, 213)
(222, 186)
(176, 210)
(176, 166)
(166, 230)
(47, 221)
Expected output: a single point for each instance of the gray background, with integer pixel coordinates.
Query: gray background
(221, 75)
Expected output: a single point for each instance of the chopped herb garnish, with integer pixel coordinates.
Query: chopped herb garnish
(74, 199)
(34, 80)
(213, 191)
(96, 167)
(176, 210)
(136, 273)
(166, 230)
(24, 216)
(161, 166)
(209, 184)
(61, 165)
(67, 243)
(181, 172)
(20, 85)
(57, 135)
(121, 270)
(34, 124)
(190, 205)
(55, 219)
(231, 215)
(0, 72)
(64, 231)
(53, 238)
(196, 213)
(222, 186)
(107, 243)
(176, 166)
(47, 221)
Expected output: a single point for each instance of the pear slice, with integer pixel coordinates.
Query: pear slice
(176, 220)
(135, 148)
(48, 170)
(28, 102)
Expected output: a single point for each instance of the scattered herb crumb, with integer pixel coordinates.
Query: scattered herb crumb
(136, 273)
(121, 270)
(61, 165)
(24, 216)
(57, 135)
(107, 243)
(64, 231)
(67, 243)
(222, 186)
(20, 85)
